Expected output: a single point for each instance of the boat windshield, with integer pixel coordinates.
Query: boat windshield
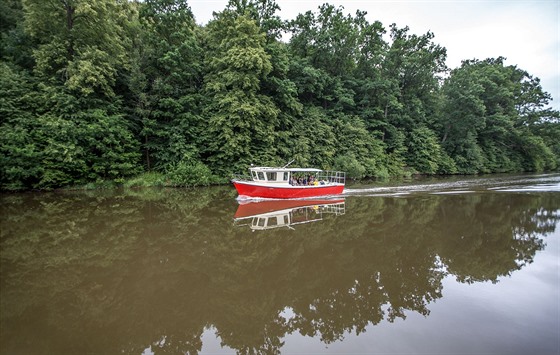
(272, 176)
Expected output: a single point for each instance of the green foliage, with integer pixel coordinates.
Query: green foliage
(535, 154)
(424, 152)
(491, 113)
(241, 120)
(16, 46)
(49, 139)
(101, 90)
(93, 146)
(359, 152)
(147, 179)
(19, 153)
(81, 43)
(192, 173)
(164, 81)
(349, 164)
(550, 134)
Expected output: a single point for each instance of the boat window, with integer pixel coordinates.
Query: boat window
(261, 175)
(254, 175)
(286, 176)
(271, 176)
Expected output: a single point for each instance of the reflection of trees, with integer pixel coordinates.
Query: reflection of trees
(106, 273)
(496, 235)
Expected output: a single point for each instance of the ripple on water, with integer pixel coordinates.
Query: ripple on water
(533, 183)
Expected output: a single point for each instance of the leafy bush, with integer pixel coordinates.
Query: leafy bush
(147, 179)
(349, 164)
(190, 173)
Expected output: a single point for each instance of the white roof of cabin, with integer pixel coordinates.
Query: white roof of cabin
(266, 168)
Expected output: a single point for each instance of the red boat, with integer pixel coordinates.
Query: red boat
(282, 183)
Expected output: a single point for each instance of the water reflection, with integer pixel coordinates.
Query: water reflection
(270, 214)
(111, 273)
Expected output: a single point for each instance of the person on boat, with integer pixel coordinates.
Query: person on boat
(311, 180)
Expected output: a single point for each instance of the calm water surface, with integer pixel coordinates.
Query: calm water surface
(454, 266)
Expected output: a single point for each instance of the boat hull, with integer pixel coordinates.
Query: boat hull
(251, 209)
(248, 189)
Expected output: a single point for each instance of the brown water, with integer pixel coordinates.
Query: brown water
(454, 266)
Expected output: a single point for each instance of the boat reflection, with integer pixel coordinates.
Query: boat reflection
(270, 214)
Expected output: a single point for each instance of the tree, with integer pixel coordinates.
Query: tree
(81, 43)
(276, 85)
(15, 44)
(20, 154)
(491, 113)
(327, 44)
(241, 120)
(425, 153)
(50, 138)
(263, 12)
(359, 152)
(463, 118)
(374, 91)
(412, 69)
(165, 81)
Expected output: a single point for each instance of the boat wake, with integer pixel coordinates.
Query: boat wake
(523, 184)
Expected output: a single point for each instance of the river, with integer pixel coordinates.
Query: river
(462, 265)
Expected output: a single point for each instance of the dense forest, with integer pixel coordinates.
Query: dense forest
(120, 91)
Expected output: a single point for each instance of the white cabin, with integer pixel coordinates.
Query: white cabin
(277, 175)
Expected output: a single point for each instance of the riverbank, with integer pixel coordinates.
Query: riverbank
(203, 178)
(149, 179)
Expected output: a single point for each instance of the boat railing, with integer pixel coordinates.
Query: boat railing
(328, 176)
(336, 208)
(338, 177)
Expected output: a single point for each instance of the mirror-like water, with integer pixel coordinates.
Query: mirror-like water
(451, 265)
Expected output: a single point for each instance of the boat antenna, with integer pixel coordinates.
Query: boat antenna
(291, 161)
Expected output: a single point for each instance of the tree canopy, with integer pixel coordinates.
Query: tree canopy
(107, 89)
